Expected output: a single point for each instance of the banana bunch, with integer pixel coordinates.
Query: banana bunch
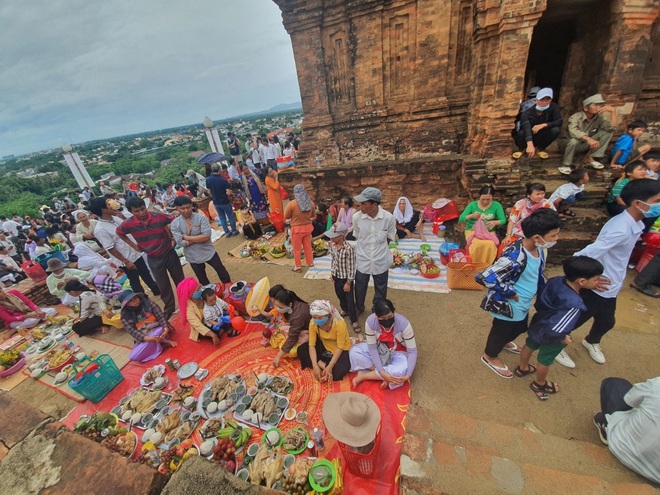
(236, 433)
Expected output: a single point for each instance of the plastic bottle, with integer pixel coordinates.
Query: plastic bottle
(318, 439)
(69, 345)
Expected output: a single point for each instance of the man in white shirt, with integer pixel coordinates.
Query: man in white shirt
(628, 424)
(10, 226)
(128, 259)
(270, 153)
(373, 229)
(613, 248)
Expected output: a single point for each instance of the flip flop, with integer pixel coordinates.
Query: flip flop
(516, 155)
(565, 170)
(513, 350)
(356, 327)
(496, 369)
(542, 155)
(648, 291)
(520, 373)
(568, 213)
(297, 270)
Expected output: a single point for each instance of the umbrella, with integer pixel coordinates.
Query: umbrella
(208, 158)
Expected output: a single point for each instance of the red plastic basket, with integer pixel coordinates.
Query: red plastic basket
(362, 465)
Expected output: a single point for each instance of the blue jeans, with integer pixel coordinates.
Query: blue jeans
(572, 199)
(226, 212)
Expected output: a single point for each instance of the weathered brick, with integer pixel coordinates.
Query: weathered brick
(415, 446)
(633, 489)
(538, 480)
(417, 420)
(17, 420)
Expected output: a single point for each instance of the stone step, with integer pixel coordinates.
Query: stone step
(450, 453)
(585, 220)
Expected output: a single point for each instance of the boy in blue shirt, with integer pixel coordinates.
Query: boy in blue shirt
(512, 282)
(558, 309)
(623, 148)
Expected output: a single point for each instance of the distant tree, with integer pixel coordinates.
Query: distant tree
(193, 147)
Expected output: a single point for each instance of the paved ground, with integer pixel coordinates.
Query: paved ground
(451, 331)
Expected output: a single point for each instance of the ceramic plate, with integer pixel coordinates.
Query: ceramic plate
(187, 370)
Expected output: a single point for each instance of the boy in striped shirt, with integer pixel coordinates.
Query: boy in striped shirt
(558, 309)
(342, 268)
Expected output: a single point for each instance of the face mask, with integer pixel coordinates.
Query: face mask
(285, 310)
(322, 322)
(387, 322)
(654, 210)
(546, 245)
(541, 109)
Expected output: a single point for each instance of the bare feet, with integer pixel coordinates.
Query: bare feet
(359, 379)
(384, 385)
(170, 343)
(422, 236)
(215, 339)
(105, 329)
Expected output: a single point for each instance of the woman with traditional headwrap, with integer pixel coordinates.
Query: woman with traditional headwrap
(84, 230)
(300, 213)
(407, 220)
(255, 191)
(327, 350)
(189, 293)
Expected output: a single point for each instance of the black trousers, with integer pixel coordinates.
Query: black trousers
(361, 284)
(88, 326)
(216, 264)
(339, 370)
(346, 299)
(141, 270)
(501, 333)
(160, 267)
(650, 274)
(541, 139)
(602, 310)
(411, 225)
(612, 391)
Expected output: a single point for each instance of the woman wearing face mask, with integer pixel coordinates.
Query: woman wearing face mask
(534, 200)
(385, 329)
(539, 126)
(327, 350)
(296, 313)
(189, 294)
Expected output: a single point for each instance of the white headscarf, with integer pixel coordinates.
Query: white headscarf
(407, 215)
(322, 307)
(78, 212)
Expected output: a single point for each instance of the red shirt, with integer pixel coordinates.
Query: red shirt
(151, 236)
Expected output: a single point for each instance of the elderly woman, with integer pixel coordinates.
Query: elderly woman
(60, 274)
(189, 294)
(84, 230)
(17, 311)
(146, 322)
(295, 311)
(492, 214)
(407, 220)
(256, 193)
(534, 200)
(327, 350)
(390, 353)
(300, 213)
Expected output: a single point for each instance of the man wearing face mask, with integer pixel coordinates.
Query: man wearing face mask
(613, 248)
(539, 126)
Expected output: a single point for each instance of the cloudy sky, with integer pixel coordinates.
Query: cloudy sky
(93, 70)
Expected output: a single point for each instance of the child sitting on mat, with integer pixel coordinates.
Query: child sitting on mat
(216, 313)
(558, 309)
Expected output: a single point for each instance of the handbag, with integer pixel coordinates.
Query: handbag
(283, 194)
(460, 274)
(384, 353)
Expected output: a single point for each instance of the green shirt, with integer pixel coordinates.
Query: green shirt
(615, 192)
(493, 212)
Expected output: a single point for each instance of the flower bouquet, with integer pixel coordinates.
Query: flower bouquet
(399, 259)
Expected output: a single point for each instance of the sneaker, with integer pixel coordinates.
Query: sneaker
(595, 352)
(565, 360)
(601, 425)
(565, 170)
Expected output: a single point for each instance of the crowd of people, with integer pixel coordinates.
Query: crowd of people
(135, 235)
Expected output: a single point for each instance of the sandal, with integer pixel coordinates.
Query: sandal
(356, 327)
(542, 155)
(513, 350)
(297, 270)
(233, 333)
(499, 371)
(548, 387)
(648, 291)
(520, 372)
(540, 394)
(568, 213)
(516, 155)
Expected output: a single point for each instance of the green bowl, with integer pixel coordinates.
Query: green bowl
(392, 245)
(299, 451)
(425, 247)
(333, 475)
(279, 442)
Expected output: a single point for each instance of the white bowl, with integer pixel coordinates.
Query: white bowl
(156, 438)
(61, 376)
(127, 415)
(160, 382)
(212, 407)
(189, 401)
(37, 372)
(148, 433)
(206, 448)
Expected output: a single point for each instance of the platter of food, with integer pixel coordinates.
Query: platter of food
(123, 443)
(57, 359)
(279, 385)
(140, 406)
(150, 376)
(295, 440)
(220, 396)
(182, 392)
(263, 410)
(174, 426)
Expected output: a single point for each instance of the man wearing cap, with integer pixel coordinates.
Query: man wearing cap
(589, 131)
(373, 228)
(539, 126)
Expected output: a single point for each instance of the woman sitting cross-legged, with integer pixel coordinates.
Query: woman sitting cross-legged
(94, 315)
(483, 246)
(189, 293)
(327, 350)
(146, 323)
(390, 353)
(408, 220)
(17, 311)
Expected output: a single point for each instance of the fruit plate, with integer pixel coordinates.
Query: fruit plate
(15, 368)
(202, 402)
(432, 275)
(266, 423)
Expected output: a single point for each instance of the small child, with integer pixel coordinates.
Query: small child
(652, 160)
(214, 311)
(567, 194)
(632, 171)
(342, 269)
(512, 282)
(94, 313)
(623, 148)
(558, 309)
(248, 223)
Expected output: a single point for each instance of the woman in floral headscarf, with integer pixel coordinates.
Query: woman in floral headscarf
(255, 191)
(327, 350)
(300, 213)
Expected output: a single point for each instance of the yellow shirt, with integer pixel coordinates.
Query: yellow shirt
(333, 339)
